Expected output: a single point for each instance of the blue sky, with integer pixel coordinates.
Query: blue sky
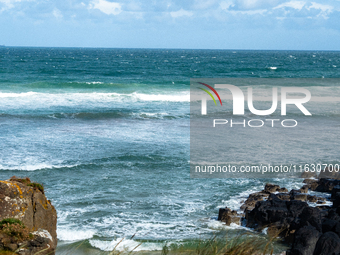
(205, 24)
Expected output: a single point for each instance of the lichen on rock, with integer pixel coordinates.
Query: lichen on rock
(25, 201)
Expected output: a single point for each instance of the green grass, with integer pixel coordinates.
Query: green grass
(28, 182)
(220, 244)
(244, 244)
(10, 221)
(36, 186)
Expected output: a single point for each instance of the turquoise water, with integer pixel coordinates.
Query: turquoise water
(107, 133)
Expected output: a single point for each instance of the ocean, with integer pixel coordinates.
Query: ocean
(107, 132)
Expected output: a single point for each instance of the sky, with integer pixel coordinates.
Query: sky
(186, 24)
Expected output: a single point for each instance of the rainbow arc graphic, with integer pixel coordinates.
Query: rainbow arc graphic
(209, 93)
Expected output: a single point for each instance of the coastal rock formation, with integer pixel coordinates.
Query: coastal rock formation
(22, 200)
(308, 229)
(228, 216)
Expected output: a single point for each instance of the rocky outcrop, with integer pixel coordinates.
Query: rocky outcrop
(25, 201)
(228, 216)
(308, 229)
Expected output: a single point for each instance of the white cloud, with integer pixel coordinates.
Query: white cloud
(9, 4)
(181, 13)
(106, 7)
(250, 12)
(322, 7)
(255, 4)
(57, 13)
(298, 5)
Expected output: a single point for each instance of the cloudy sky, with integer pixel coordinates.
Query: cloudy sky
(205, 24)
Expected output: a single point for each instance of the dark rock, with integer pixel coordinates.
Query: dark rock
(333, 215)
(249, 204)
(271, 188)
(275, 212)
(311, 183)
(228, 216)
(305, 241)
(311, 216)
(282, 190)
(326, 185)
(328, 225)
(304, 189)
(283, 196)
(335, 190)
(301, 197)
(336, 200)
(328, 244)
(312, 199)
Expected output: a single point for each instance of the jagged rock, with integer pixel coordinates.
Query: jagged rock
(249, 204)
(228, 216)
(296, 195)
(271, 188)
(25, 201)
(312, 199)
(282, 190)
(304, 189)
(305, 241)
(275, 212)
(336, 200)
(326, 185)
(328, 244)
(283, 196)
(300, 197)
(311, 216)
(311, 183)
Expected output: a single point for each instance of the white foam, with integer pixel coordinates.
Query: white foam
(125, 245)
(12, 95)
(272, 67)
(67, 234)
(31, 165)
(37, 100)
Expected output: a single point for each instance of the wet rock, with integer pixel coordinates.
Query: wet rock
(296, 195)
(304, 189)
(249, 204)
(275, 211)
(312, 199)
(282, 190)
(305, 241)
(328, 244)
(326, 185)
(228, 216)
(311, 216)
(336, 200)
(311, 183)
(283, 196)
(271, 188)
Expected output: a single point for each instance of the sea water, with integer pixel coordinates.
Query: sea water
(106, 131)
